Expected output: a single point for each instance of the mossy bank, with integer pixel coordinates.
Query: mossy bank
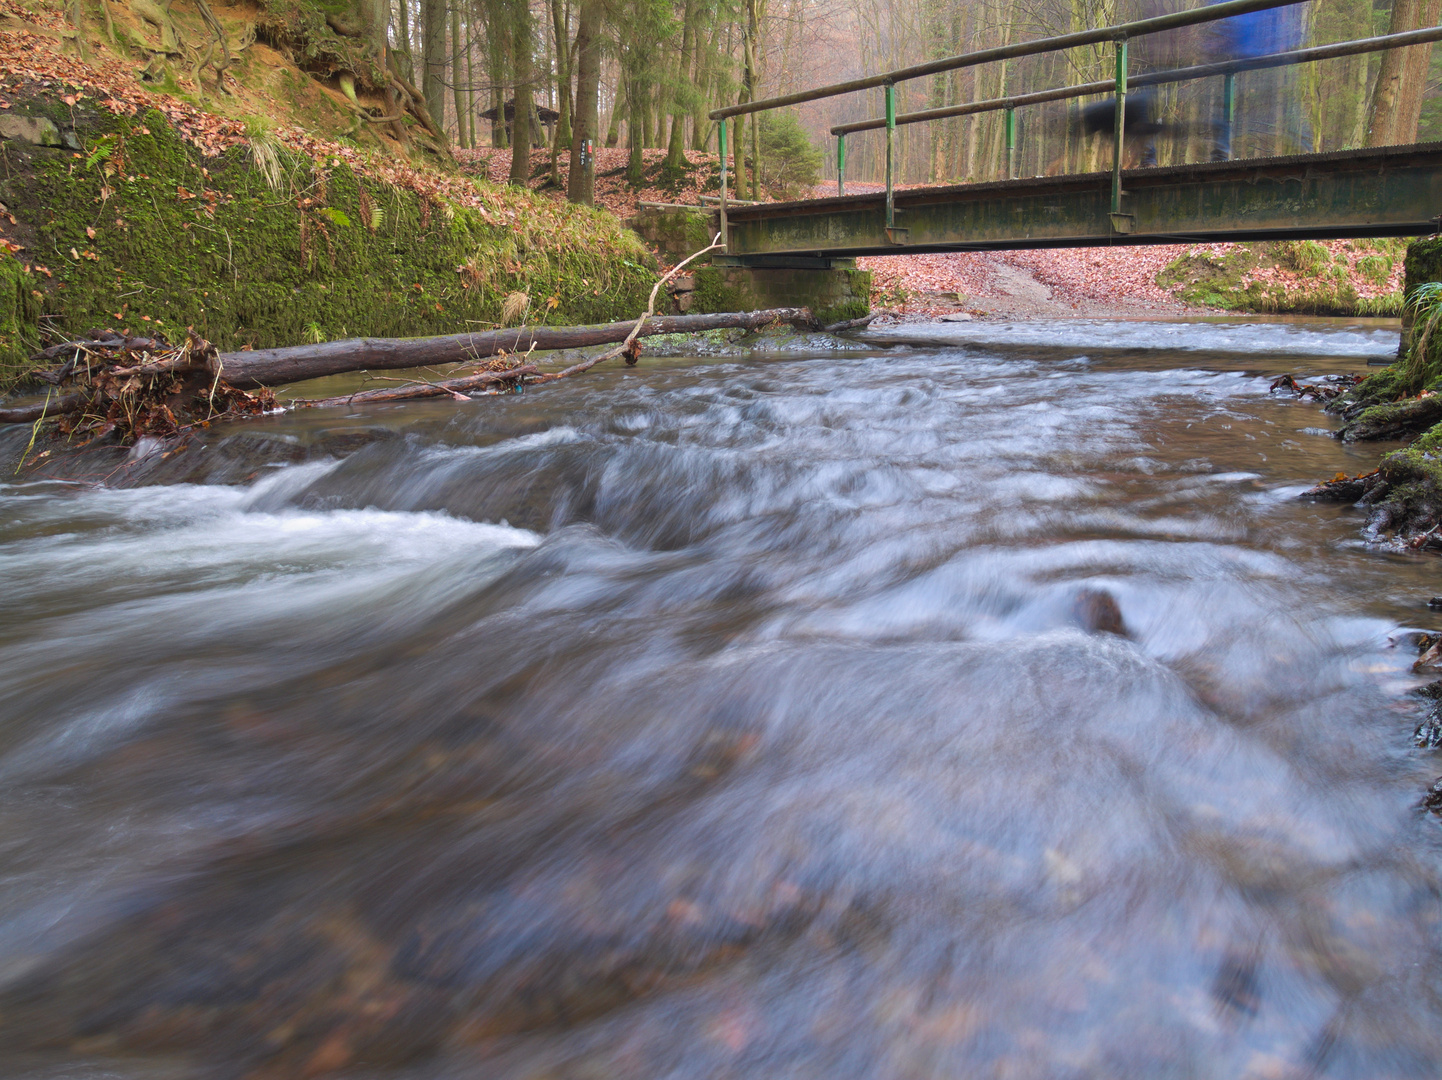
(1302, 277)
(1401, 402)
(261, 247)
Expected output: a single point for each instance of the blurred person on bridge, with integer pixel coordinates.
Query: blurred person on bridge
(1243, 37)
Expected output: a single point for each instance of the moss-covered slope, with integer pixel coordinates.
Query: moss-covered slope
(261, 247)
(1349, 277)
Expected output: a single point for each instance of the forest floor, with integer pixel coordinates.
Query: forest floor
(1082, 282)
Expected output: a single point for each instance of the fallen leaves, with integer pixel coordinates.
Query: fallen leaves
(1120, 276)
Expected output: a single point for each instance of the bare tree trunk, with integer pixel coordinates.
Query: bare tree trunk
(676, 147)
(559, 20)
(581, 183)
(521, 65)
(1414, 79)
(433, 33)
(618, 110)
(76, 14)
(406, 65)
(1397, 97)
(498, 51)
(750, 77)
(635, 132)
(705, 83)
(458, 94)
(470, 82)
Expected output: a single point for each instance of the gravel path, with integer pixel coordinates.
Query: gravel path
(1077, 281)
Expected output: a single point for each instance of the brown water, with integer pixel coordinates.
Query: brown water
(753, 717)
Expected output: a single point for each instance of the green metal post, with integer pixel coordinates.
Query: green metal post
(841, 165)
(1229, 109)
(1011, 144)
(890, 155)
(721, 147)
(1120, 125)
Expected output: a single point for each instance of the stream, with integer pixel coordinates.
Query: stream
(966, 700)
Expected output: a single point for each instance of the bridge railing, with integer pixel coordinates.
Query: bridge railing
(1228, 69)
(1119, 34)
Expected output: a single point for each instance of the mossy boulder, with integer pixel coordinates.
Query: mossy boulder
(1395, 420)
(1382, 406)
(1411, 502)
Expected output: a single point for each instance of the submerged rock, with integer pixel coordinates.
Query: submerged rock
(1433, 799)
(1098, 612)
(1428, 734)
(1343, 488)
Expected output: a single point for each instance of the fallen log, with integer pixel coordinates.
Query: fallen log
(272, 367)
(852, 324)
(445, 388)
(457, 387)
(28, 414)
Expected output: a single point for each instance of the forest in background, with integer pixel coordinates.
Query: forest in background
(644, 73)
(560, 75)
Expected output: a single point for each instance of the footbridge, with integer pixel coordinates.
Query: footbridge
(1387, 191)
(1381, 191)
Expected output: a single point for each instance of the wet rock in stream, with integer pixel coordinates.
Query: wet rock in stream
(1428, 734)
(1433, 799)
(1098, 612)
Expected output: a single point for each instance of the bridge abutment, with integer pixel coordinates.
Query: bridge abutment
(831, 287)
(833, 293)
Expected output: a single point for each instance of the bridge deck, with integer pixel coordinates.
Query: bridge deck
(1386, 191)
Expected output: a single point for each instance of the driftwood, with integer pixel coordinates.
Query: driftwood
(28, 414)
(628, 348)
(133, 387)
(445, 388)
(229, 373)
(851, 324)
(272, 367)
(99, 339)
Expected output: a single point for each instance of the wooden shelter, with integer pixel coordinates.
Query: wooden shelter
(540, 115)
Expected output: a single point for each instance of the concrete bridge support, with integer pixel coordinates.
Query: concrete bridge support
(831, 287)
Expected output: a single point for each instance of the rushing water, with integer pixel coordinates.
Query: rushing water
(987, 705)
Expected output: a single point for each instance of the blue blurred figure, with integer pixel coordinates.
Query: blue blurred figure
(1259, 33)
